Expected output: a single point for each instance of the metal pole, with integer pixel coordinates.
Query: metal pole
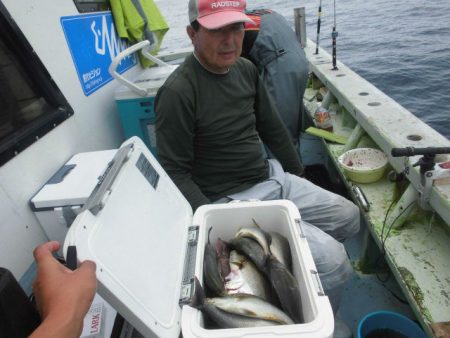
(300, 25)
(334, 35)
(319, 14)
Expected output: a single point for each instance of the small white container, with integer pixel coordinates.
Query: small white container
(148, 246)
(59, 201)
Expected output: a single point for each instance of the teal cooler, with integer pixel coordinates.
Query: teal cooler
(137, 107)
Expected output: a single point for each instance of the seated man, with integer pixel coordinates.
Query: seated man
(212, 115)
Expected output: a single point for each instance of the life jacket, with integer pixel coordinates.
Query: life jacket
(281, 62)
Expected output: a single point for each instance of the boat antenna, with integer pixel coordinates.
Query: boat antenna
(319, 14)
(334, 35)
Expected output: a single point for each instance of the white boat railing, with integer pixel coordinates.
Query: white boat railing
(388, 123)
(417, 253)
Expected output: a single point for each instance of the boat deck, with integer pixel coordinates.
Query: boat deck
(418, 251)
(369, 292)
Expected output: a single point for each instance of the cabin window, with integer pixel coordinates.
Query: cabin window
(85, 6)
(30, 103)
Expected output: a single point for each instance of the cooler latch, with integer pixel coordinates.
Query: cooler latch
(187, 283)
(299, 225)
(318, 284)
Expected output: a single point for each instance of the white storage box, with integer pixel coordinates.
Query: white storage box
(148, 246)
(61, 198)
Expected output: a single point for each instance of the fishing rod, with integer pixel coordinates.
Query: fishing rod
(334, 35)
(319, 14)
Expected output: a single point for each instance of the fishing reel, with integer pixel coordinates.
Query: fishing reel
(429, 169)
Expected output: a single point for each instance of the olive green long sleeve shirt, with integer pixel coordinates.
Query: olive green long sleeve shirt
(209, 129)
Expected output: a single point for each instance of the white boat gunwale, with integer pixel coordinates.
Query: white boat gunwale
(421, 267)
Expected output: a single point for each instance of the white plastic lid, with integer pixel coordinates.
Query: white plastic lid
(73, 183)
(138, 240)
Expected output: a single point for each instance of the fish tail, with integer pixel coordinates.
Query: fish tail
(209, 233)
(198, 299)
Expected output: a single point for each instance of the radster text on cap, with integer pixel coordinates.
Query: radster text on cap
(213, 14)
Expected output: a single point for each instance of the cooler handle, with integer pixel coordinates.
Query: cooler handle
(130, 50)
(71, 258)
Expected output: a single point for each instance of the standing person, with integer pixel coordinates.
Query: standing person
(212, 115)
(271, 44)
(63, 297)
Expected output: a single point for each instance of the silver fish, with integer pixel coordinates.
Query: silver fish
(252, 250)
(222, 318)
(286, 288)
(256, 233)
(246, 278)
(280, 249)
(250, 306)
(213, 278)
(227, 320)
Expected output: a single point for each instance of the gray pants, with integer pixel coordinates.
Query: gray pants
(327, 220)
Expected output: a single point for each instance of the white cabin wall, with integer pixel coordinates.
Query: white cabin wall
(94, 126)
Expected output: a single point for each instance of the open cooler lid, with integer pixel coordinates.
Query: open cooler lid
(135, 227)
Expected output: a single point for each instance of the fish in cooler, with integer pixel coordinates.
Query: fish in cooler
(250, 306)
(259, 263)
(252, 250)
(256, 233)
(244, 277)
(279, 248)
(223, 257)
(212, 272)
(286, 288)
(237, 311)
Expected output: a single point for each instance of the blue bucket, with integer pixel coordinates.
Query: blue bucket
(389, 320)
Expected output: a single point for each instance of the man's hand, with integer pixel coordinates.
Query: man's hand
(63, 296)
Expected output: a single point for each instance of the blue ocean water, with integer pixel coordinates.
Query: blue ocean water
(402, 47)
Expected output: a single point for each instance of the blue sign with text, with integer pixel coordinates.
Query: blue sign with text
(94, 43)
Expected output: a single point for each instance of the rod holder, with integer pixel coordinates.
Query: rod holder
(300, 25)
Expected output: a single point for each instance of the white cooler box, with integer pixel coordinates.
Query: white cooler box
(61, 198)
(148, 246)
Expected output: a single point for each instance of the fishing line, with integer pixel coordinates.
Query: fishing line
(383, 240)
(392, 224)
(400, 299)
(385, 219)
(382, 253)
